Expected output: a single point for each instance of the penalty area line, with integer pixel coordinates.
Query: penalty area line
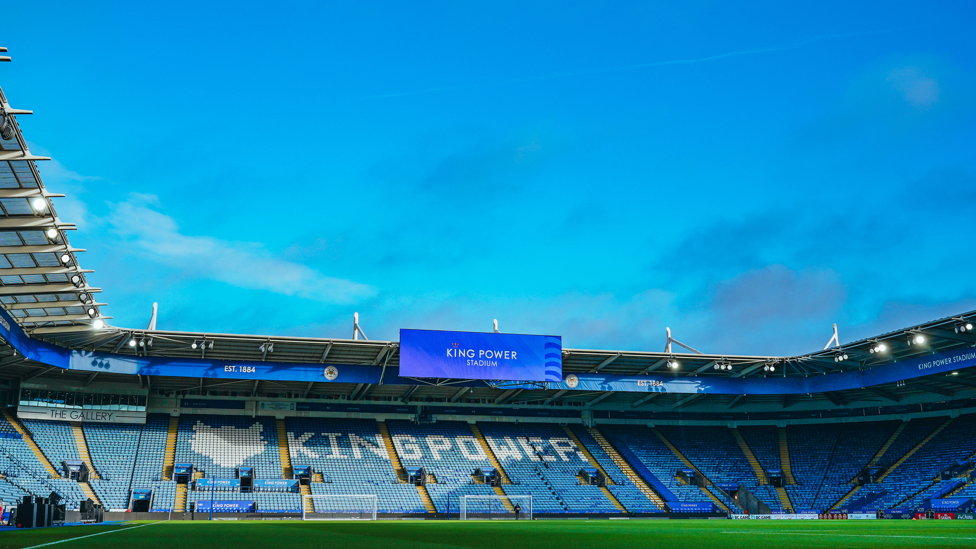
(92, 535)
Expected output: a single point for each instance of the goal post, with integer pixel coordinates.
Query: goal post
(496, 507)
(339, 507)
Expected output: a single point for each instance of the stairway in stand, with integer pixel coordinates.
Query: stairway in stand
(747, 451)
(491, 455)
(499, 491)
(873, 463)
(784, 498)
(784, 457)
(606, 492)
(425, 497)
(31, 444)
(401, 474)
(169, 458)
(82, 445)
(180, 504)
(283, 451)
(691, 465)
(89, 493)
(625, 468)
(915, 449)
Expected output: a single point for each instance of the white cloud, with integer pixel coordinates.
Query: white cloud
(244, 264)
(920, 90)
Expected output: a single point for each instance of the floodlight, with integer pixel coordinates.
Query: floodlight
(91, 312)
(98, 324)
(6, 126)
(52, 233)
(65, 258)
(39, 204)
(193, 345)
(132, 342)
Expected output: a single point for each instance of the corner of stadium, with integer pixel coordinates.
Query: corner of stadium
(115, 429)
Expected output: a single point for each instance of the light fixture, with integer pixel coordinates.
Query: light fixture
(916, 339)
(51, 233)
(142, 342)
(132, 342)
(65, 258)
(840, 357)
(194, 345)
(878, 348)
(6, 127)
(91, 312)
(98, 324)
(76, 280)
(83, 298)
(955, 373)
(673, 364)
(39, 204)
(769, 368)
(964, 327)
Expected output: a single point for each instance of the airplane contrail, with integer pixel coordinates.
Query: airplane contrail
(706, 59)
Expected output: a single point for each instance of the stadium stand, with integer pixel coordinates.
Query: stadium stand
(218, 445)
(624, 488)
(449, 453)
(543, 462)
(351, 457)
(656, 457)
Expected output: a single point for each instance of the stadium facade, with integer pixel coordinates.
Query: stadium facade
(160, 421)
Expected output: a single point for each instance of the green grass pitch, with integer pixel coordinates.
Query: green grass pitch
(562, 534)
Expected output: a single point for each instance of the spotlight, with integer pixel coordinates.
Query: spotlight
(772, 368)
(955, 373)
(39, 204)
(98, 324)
(193, 345)
(51, 233)
(963, 327)
(91, 312)
(142, 342)
(840, 357)
(878, 348)
(83, 298)
(76, 280)
(916, 339)
(132, 342)
(673, 364)
(6, 127)
(65, 258)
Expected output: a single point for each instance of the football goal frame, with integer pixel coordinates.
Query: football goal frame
(483, 507)
(340, 508)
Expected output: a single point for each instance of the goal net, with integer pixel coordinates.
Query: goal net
(496, 507)
(339, 507)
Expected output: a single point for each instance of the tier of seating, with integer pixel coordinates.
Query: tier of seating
(449, 452)
(543, 462)
(714, 451)
(352, 458)
(622, 488)
(916, 478)
(657, 457)
(218, 445)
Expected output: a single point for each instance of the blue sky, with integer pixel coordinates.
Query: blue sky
(744, 173)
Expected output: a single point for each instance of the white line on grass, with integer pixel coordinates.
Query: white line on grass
(92, 535)
(761, 533)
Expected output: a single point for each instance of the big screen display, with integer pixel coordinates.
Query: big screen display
(477, 355)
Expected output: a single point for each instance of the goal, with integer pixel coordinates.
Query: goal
(496, 507)
(339, 507)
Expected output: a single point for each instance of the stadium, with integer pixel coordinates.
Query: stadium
(211, 439)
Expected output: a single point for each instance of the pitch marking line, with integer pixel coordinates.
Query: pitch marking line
(759, 533)
(92, 535)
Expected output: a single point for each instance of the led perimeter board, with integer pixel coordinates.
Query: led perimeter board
(476, 355)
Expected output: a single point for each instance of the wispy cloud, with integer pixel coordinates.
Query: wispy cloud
(156, 236)
(652, 64)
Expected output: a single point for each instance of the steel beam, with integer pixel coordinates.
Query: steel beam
(640, 401)
(597, 399)
(51, 288)
(39, 249)
(460, 392)
(605, 363)
(688, 399)
(558, 394)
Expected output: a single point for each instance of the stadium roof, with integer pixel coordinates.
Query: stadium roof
(42, 285)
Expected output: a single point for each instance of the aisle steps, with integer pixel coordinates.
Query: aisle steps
(691, 465)
(491, 455)
(82, 445)
(916, 448)
(169, 457)
(31, 444)
(626, 469)
(283, 451)
(391, 450)
(784, 457)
